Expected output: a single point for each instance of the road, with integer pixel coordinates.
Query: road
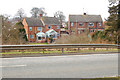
(69, 66)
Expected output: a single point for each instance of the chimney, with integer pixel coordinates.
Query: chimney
(41, 15)
(84, 14)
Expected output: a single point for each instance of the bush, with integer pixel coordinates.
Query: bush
(13, 34)
(73, 39)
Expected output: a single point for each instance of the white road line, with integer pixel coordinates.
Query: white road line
(68, 56)
(104, 54)
(10, 58)
(14, 66)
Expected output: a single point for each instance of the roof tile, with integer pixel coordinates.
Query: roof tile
(85, 18)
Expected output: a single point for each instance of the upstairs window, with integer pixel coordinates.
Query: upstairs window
(30, 28)
(99, 24)
(57, 27)
(91, 24)
(49, 27)
(72, 24)
(81, 24)
(39, 28)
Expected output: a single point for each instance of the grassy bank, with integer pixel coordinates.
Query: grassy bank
(37, 43)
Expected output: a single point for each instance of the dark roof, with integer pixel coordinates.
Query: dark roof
(85, 18)
(34, 22)
(50, 21)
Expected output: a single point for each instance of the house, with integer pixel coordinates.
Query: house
(37, 28)
(78, 24)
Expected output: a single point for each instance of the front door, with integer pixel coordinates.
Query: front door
(39, 38)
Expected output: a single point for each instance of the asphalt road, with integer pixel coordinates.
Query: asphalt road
(69, 66)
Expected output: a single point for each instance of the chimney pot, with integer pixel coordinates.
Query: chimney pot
(40, 15)
(85, 14)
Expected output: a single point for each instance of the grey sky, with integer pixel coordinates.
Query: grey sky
(98, 7)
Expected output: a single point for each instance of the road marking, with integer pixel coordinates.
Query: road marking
(68, 56)
(104, 54)
(10, 58)
(14, 66)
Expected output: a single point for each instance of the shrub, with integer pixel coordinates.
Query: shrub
(73, 39)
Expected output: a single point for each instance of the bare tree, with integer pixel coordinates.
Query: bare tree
(36, 11)
(20, 13)
(13, 34)
(42, 11)
(60, 16)
(5, 17)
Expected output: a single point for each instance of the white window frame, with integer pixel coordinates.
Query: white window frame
(81, 24)
(100, 24)
(58, 27)
(30, 28)
(57, 34)
(50, 27)
(89, 24)
(31, 36)
(72, 24)
(39, 28)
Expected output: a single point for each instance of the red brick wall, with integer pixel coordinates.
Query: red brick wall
(31, 33)
(53, 27)
(85, 25)
(34, 30)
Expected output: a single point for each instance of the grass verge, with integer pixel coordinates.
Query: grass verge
(56, 51)
(37, 43)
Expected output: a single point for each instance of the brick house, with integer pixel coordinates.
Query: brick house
(80, 23)
(36, 28)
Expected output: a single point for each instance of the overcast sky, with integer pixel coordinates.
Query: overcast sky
(97, 7)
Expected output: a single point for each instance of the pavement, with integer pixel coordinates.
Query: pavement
(67, 66)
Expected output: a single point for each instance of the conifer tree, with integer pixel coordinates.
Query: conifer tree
(114, 21)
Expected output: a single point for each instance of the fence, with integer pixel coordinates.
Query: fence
(57, 46)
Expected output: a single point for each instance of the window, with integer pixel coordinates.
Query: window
(31, 36)
(30, 28)
(80, 24)
(57, 27)
(39, 28)
(57, 34)
(91, 24)
(49, 27)
(72, 24)
(99, 24)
